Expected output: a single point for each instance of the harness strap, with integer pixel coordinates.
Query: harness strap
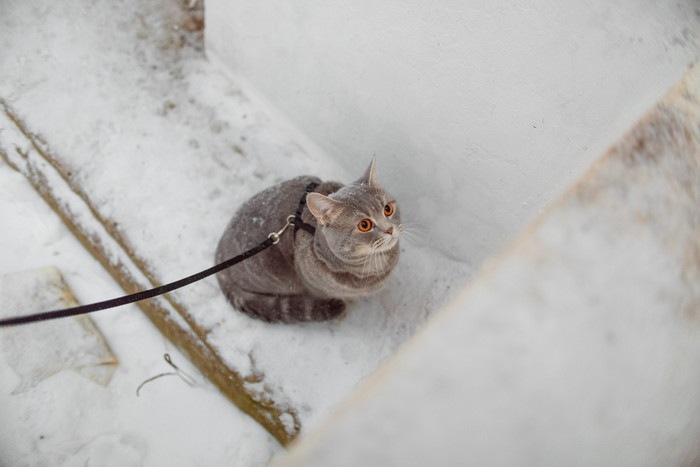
(298, 223)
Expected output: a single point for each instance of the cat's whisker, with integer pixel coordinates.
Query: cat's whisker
(366, 268)
(413, 233)
(415, 225)
(412, 238)
(374, 263)
(369, 268)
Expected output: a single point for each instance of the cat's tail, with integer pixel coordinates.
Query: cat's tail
(286, 308)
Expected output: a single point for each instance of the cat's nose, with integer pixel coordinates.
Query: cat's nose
(390, 230)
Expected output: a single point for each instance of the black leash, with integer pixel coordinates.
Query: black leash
(138, 296)
(272, 239)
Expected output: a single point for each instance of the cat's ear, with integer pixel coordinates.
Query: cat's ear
(369, 177)
(324, 209)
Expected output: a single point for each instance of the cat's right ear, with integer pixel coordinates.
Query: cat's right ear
(324, 209)
(369, 177)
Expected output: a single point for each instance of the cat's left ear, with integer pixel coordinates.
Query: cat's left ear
(324, 209)
(369, 177)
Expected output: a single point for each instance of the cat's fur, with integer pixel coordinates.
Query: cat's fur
(306, 277)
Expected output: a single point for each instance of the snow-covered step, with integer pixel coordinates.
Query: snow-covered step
(578, 345)
(63, 418)
(38, 352)
(146, 150)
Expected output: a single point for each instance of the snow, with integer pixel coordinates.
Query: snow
(139, 133)
(65, 344)
(68, 420)
(578, 345)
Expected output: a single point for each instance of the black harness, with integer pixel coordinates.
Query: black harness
(298, 223)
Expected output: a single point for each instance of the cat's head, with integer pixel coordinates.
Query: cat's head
(360, 220)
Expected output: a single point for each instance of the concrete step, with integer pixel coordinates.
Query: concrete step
(578, 345)
(145, 150)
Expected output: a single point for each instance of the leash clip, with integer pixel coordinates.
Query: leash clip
(275, 236)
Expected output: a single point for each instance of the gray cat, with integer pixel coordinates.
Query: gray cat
(345, 246)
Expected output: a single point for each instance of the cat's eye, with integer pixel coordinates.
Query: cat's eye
(365, 225)
(388, 209)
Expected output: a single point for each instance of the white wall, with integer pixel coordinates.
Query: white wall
(480, 112)
(579, 346)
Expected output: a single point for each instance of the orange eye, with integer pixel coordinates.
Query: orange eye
(388, 209)
(365, 225)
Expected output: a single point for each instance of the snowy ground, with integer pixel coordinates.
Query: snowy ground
(67, 420)
(162, 146)
(579, 345)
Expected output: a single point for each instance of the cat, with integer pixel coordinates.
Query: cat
(347, 247)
